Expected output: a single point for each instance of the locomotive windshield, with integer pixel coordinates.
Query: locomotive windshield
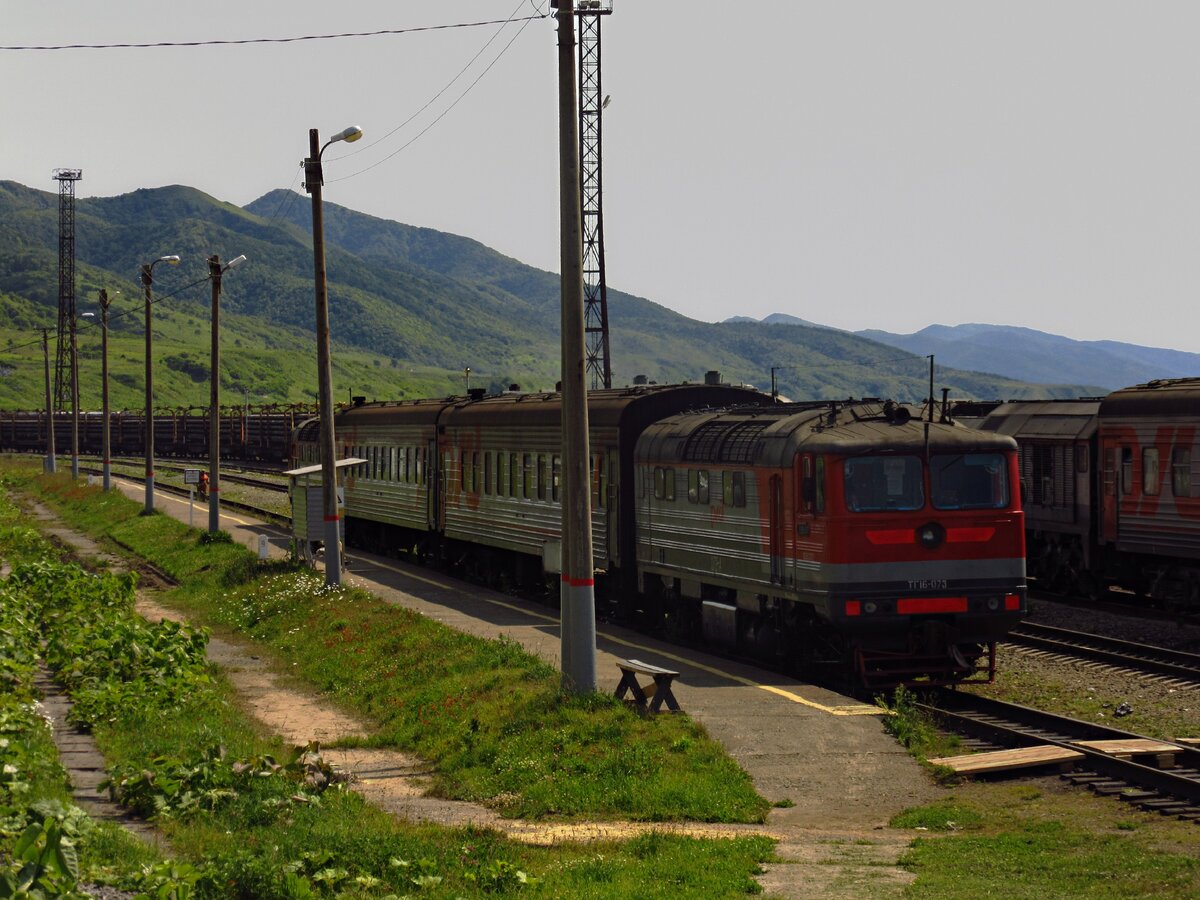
(875, 483)
(969, 481)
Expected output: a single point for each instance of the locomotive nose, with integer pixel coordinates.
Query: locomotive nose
(931, 535)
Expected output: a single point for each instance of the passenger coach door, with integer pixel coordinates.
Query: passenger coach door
(775, 528)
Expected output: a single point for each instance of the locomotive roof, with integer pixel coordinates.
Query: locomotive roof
(1169, 396)
(1044, 418)
(773, 436)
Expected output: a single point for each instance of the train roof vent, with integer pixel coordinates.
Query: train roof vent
(724, 441)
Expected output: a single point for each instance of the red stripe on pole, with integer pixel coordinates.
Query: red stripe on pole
(578, 582)
(332, 518)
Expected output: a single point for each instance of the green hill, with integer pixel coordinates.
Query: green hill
(410, 308)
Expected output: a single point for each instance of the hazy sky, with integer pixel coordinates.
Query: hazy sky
(864, 165)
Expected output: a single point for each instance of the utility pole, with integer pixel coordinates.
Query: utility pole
(314, 179)
(51, 465)
(74, 397)
(147, 281)
(105, 439)
(578, 595)
(214, 401)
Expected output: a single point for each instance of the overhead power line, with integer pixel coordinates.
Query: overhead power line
(277, 40)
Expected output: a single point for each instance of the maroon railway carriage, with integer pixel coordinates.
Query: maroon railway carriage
(821, 532)
(1149, 489)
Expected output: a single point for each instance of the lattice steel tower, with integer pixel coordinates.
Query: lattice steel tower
(66, 179)
(591, 104)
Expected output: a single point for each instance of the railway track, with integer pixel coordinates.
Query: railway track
(265, 514)
(998, 725)
(226, 475)
(1139, 658)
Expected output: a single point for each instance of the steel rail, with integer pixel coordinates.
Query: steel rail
(1112, 651)
(1011, 725)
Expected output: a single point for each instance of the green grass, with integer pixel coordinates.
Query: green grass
(255, 840)
(1048, 840)
(490, 716)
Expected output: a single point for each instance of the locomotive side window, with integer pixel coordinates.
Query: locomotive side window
(1150, 471)
(1126, 470)
(735, 488)
(875, 483)
(819, 502)
(969, 481)
(1181, 471)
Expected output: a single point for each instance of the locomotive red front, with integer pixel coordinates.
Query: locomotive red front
(822, 532)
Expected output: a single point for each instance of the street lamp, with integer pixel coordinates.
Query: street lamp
(147, 280)
(105, 442)
(215, 271)
(313, 180)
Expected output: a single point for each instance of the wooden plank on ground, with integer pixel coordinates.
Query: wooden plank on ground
(1126, 748)
(1002, 760)
(1188, 742)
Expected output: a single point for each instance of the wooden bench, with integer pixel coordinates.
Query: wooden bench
(1126, 748)
(1004, 760)
(652, 696)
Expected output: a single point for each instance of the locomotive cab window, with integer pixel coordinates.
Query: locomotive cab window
(1181, 471)
(969, 481)
(877, 483)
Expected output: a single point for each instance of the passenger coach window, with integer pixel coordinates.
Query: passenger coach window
(527, 470)
(555, 474)
(514, 474)
(542, 476)
(875, 483)
(1150, 471)
(487, 472)
(1126, 470)
(735, 488)
(969, 481)
(1181, 471)
(697, 486)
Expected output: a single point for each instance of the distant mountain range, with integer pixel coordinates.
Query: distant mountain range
(411, 309)
(1026, 354)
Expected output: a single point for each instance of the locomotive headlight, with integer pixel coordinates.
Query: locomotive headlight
(931, 535)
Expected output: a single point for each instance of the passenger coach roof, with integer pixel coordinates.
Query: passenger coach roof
(775, 435)
(1173, 397)
(1044, 418)
(605, 407)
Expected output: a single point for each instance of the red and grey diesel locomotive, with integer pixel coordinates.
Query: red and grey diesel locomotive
(1112, 489)
(822, 535)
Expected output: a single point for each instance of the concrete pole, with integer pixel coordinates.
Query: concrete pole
(74, 398)
(147, 280)
(105, 439)
(578, 576)
(214, 401)
(51, 463)
(313, 180)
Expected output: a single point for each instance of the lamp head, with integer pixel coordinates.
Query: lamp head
(234, 263)
(349, 135)
(88, 315)
(172, 260)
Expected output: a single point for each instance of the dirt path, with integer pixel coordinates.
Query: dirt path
(814, 862)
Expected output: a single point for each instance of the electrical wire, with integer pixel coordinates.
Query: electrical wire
(511, 18)
(444, 112)
(283, 40)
